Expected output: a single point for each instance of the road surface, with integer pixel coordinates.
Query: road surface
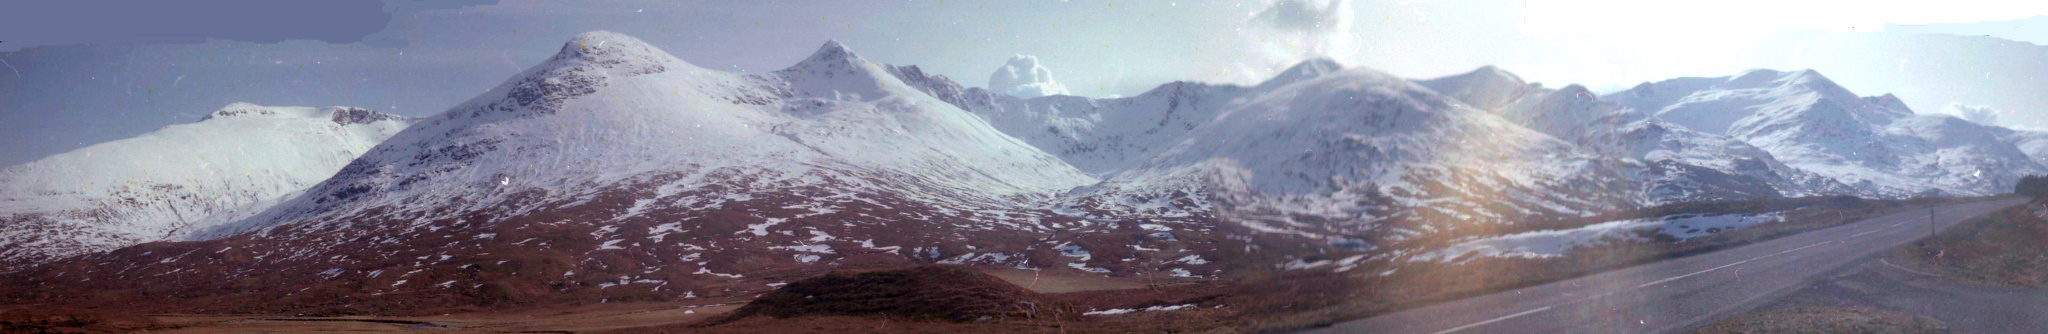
(1675, 295)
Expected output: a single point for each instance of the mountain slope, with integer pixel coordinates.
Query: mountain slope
(1351, 157)
(161, 183)
(610, 109)
(1945, 155)
(1099, 136)
(614, 171)
(1667, 163)
(1370, 155)
(1486, 88)
(2033, 143)
(1806, 121)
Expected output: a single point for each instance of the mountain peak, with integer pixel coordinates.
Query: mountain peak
(835, 71)
(1487, 87)
(1314, 67)
(1485, 75)
(238, 109)
(610, 49)
(584, 64)
(832, 46)
(1574, 96)
(832, 55)
(1889, 101)
(1490, 71)
(1306, 69)
(1757, 78)
(1577, 90)
(1754, 78)
(1493, 71)
(1808, 76)
(1813, 80)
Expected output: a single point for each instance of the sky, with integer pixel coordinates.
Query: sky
(90, 71)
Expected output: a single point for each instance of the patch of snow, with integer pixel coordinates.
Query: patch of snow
(1114, 311)
(1555, 243)
(1158, 308)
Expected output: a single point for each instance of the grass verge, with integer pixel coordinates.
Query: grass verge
(2001, 249)
(1826, 320)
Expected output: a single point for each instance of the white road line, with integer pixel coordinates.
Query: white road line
(1661, 281)
(1861, 234)
(1494, 320)
(1807, 246)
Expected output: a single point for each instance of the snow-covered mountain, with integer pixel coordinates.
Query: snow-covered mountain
(1355, 153)
(2033, 143)
(1487, 88)
(611, 112)
(614, 163)
(1666, 163)
(161, 183)
(1343, 155)
(1874, 144)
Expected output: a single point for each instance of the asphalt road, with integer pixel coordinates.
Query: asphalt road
(1677, 295)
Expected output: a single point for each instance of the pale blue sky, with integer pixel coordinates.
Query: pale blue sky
(58, 98)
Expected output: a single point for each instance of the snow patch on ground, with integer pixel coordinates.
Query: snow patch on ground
(1555, 243)
(1160, 308)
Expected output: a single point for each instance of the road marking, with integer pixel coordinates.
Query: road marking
(1494, 320)
(1861, 234)
(1807, 246)
(1662, 281)
(1690, 275)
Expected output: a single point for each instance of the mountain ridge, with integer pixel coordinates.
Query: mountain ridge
(155, 185)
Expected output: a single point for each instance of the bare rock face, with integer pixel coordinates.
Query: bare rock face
(354, 115)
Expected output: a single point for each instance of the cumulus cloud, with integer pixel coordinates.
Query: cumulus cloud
(1287, 32)
(1980, 114)
(1023, 77)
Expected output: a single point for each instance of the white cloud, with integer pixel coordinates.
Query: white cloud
(1287, 32)
(1023, 77)
(1981, 114)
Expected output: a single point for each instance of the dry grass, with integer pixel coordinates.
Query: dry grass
(2002, 248)
(1826, 320)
